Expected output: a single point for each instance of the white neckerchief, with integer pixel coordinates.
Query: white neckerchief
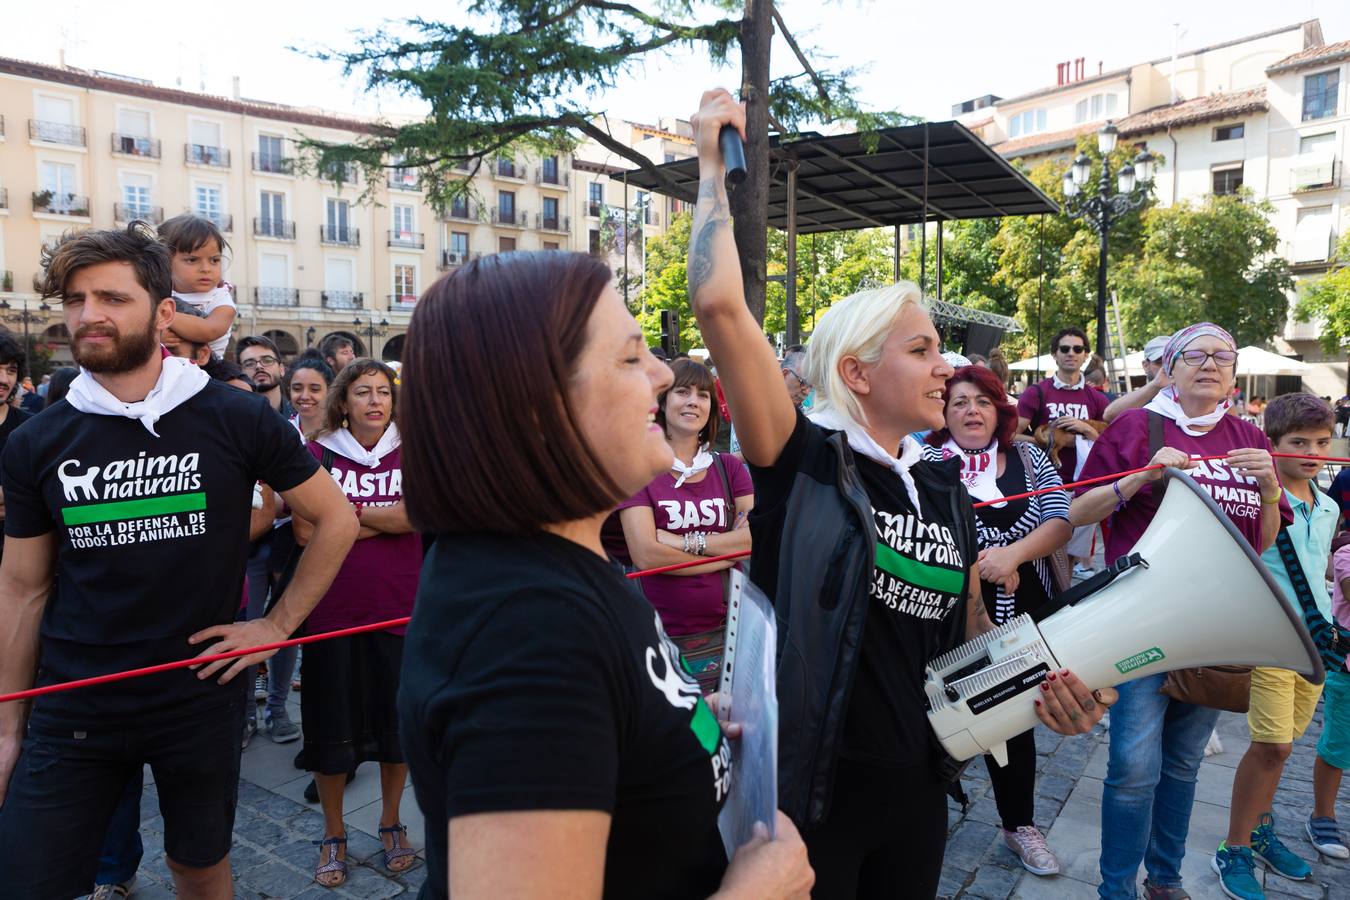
(702, 462)
(179, 381)
(1167, 404)
(979, 470)
(1065, 386)
(864, 443)
(342, 443)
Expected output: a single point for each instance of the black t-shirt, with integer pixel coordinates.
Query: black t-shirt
(917, 587)
(535, 677)
(13, 419)
(152, 535)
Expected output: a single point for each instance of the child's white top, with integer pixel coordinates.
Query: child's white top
(208, 302)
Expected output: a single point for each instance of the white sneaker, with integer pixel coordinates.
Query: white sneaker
(1029, 845)
(1082, 572)
(1215, 746)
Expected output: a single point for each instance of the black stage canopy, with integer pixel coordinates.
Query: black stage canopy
(916, 173)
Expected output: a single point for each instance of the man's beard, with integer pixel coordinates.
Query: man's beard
(263, 388)
(123, 355)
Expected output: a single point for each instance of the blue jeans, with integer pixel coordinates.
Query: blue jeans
(281, 666)
(1156, 748)
(122, 848)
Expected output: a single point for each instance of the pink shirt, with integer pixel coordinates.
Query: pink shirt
(1340, 608)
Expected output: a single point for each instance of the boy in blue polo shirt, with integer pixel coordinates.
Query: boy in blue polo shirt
(1282, 702)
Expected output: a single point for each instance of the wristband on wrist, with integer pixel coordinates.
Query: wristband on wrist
(1121, 498)
(1272, 501)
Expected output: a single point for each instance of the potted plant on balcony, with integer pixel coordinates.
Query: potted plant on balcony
(42, 200)
(6, 282)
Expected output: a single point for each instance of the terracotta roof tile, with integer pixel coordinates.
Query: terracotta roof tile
(1046, 140)
(1311, 57)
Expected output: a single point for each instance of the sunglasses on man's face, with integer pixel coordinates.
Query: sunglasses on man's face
(1072, 348)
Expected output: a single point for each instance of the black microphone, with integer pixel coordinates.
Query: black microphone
(733, 154)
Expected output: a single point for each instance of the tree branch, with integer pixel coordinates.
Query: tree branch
(606, 140)
(801, 57)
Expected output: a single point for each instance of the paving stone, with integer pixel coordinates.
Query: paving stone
(153, 891)
(245, 856)
(315, 892)
(276, 806)
(952, 883)
(368, 884)
(993, 883)
(362, 846)
(414, 877)
(967, 848)
(1056, 787)
(262, 831)
(275, 879)
(240, 893)
(301, 854)
(250, 794)
(1283, 887)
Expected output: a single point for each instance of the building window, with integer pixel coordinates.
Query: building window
(459, 207)
(1229, 132)
(506, 167)
(204, 147)
(405, 285)
(272, 214)
(270, 158)
(550, 170)
(1317, 144)
(207, 203)
(135, 197)
(551, 245)
(595, 198)
(506, 244)
(1090, 109)
(1313, 234)
(551, 213)
(594, 244)
(1028, 122)
(506, 205)
(403, 221)
(338, 217)
(58, 180)
(459, 245)
(1226, 179)
(1319, 94)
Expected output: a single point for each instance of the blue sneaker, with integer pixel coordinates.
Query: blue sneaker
(1274, 854)
(1237, 873)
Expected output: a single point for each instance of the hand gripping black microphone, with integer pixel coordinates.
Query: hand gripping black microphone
(733, 154)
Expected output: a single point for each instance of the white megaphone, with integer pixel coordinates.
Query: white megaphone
(1191, 593)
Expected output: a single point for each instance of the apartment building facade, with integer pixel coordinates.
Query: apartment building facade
(308, 258)
(1266, 112)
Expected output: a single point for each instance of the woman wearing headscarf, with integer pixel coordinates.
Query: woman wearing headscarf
(1157, 743)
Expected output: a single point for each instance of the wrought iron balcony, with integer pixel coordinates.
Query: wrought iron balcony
(56, 133)
(342, 299)
(277, 165)
(462, 212)
(123, 212)
(133, 145)
(509, 168)
(554, 178)
(341, 235)
(206, 155)
(347, 171)
(60, 204)
(274, 228)
(593, 208)
(413, 239)
(276, 296)
(4, 198)
(552, 223)
(401, 301)
(510, 218)
(2, 126)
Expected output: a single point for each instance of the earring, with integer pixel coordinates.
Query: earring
(344, 421)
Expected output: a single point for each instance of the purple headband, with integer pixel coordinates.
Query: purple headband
(1182, 338)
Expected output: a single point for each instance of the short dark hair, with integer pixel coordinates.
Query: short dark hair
(503, 451)
(689, 373)
(11, 351)
(1070, 331)
(60, 384)
(1297, 412)
(257, 340)
(137, 245)
(333, 416)
(330, 345)
(223, 370)
(188, 232)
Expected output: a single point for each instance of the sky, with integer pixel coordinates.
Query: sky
(914, 58)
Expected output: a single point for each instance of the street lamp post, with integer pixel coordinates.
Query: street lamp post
(24, 316)
(1134, 181)
(372, 330)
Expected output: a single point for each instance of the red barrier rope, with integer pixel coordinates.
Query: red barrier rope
(396, 623)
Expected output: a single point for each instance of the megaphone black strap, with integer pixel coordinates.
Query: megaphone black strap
(1331, 639)
(1088, 587)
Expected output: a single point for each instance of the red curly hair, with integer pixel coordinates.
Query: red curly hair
(989, 385)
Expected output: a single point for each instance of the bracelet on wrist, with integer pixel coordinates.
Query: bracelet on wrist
(1272, 501)
(1121, 498)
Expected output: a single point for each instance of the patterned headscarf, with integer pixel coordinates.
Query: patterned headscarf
(1185, 336)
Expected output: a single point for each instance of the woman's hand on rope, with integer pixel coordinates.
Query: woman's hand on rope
(1066, 706)
(1167, 456)
(1256, 463)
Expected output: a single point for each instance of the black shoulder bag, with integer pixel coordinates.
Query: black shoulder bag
(1331, 639)
(287, 571)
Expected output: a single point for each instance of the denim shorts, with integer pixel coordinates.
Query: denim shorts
(67, 782)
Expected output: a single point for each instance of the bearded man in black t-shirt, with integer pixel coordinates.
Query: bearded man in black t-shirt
(144, 471)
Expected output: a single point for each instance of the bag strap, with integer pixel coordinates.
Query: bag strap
(1331, 639)
(1040, 406)
(293, 558)
(1155, 433)
(326, 460)
(721, 466)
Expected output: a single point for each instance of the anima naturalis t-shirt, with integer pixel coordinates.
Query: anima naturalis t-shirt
(152, 537)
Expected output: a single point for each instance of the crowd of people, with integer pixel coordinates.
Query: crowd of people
(163, 499)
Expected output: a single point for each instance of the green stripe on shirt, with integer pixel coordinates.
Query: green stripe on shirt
(911, 571)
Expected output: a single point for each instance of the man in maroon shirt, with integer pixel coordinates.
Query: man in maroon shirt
(1065, 401)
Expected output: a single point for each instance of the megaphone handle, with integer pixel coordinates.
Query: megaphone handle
(733, 154)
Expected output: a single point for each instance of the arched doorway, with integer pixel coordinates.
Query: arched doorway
(285, 342)
(57, 340)
(358, 345)
(393, 349)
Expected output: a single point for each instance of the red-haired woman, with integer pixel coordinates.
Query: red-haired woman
(1015, 537)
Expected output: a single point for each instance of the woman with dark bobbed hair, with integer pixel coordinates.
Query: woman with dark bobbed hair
(542, 706)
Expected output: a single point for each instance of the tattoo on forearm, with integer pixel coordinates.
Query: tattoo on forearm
(711, 217)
